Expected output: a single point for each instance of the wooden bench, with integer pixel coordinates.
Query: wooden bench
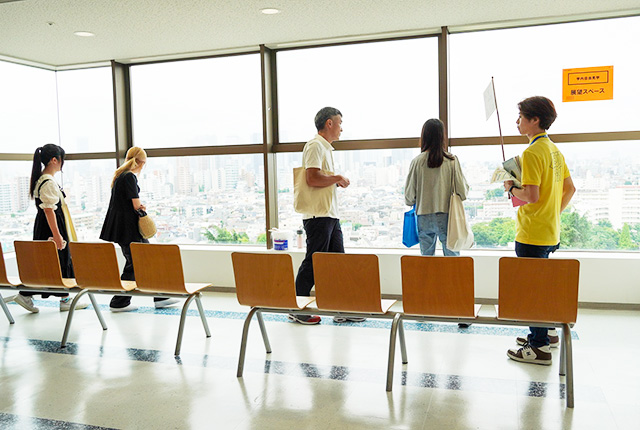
(532, 292)
(9, 283)
(265, 282)
(158, 270)
(348, 285)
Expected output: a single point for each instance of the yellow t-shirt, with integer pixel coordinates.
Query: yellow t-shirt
(542, 165)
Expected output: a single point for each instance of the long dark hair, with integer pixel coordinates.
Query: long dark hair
(432, 140)
(42, 156)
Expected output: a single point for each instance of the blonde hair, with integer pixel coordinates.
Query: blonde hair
(135, 157)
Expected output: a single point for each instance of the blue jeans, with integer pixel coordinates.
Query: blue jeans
(430, 228)
(538, 336)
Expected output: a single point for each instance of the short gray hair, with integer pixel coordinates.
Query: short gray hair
(323, 115)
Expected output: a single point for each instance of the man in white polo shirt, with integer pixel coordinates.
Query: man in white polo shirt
(322, 229)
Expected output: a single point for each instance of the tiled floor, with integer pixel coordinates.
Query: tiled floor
(320, 377)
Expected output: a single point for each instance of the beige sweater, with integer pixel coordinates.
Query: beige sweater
(430, 189)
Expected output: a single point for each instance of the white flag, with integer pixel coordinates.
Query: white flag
(489, 100)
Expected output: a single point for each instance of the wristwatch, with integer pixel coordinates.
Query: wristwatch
(511, 189)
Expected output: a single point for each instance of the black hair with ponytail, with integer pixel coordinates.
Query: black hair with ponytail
(42, 156)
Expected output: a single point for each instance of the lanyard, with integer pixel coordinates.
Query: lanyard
(533, 141)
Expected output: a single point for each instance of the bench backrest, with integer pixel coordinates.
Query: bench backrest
(95, 265)
(38, 263)
(4, 278)
(158, 268)
(538, 289)
(264, 279)
(438, 286)
(347, 282)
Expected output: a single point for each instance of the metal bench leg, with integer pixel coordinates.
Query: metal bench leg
(203, 317)
(72, 311)
(96, 308)
(243, 343)
(403, 345)
(392, 350)
(563, 356)
(566, 343)
(263, 330)
(6, 310)
(183, 317)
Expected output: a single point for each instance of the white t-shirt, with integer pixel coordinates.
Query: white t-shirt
(318, 154)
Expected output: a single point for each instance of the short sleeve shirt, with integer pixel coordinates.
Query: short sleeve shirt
(49, 193)
(318, 154)
(543, 165)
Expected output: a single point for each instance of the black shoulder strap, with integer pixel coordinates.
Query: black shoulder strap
(41, 184)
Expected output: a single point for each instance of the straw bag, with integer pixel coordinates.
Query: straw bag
(146, 226)
(310, 200)
(459, 234)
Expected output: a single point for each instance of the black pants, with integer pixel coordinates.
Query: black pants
(127, 275)
(323, 235)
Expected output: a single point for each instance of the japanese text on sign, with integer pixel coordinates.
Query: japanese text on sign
(588, 83)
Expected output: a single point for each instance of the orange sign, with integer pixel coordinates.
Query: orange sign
(587, 83)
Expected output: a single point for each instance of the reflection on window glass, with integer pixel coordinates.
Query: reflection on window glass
(208, 102)
(85, 104)
(206, 199)
(28, 114)
(384, 89)
(529, 61)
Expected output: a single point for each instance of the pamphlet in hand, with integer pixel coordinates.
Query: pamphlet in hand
(511, 170)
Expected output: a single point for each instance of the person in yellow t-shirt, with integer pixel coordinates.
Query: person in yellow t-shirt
(547, 188)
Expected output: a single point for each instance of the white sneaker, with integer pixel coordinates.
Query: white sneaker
(165, 303)
(10, 299)
(65, 304)
(27, 303)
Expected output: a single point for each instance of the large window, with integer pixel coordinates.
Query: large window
(529, 61)
(208, 102)
(87, 184)
(603, 214)
(85, 106)
(28, 114)
(384, 89)
(206, 199)
(371, 208)
(17, 210)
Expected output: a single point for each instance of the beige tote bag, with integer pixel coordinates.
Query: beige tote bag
(310, 200)
(459, 234)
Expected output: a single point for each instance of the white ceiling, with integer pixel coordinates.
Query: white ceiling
(41, 31)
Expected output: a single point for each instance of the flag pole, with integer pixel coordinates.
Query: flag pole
(493, 87)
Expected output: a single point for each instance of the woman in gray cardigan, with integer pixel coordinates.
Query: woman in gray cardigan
(429, 185)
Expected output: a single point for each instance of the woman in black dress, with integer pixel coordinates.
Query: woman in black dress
(50, 222)
(121, 223)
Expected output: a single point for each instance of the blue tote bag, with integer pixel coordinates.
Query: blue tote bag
(410, 228)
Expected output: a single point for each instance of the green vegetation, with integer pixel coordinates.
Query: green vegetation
(577, 232)
(222, 235)
(494, 194)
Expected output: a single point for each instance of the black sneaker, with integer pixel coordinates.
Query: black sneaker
(341, 319)
(464, 325)
(305, 319)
